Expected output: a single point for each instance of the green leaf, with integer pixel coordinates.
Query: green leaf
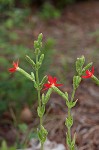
(71, 104)
(30, 61)
(41, 111)
(43, 81)
(40, 37)
(41, 59)
(66, 95)
(47, 96)
(76, 81)
(43, 98)
(23, 127)
(38, 65)
(69, 122)
(68, 141)
(73, 141)
(35, 85)
(33, 76)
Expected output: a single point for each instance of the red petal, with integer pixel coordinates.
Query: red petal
(86, 76)
(50, 79)
(15, 64)
(54, 79)
(58, 84)
(88, 72)
(47, 85)
(92, 70)
(12, 69)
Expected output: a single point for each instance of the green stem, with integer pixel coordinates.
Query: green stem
(69, 116)
(69, 128)
(39, 99)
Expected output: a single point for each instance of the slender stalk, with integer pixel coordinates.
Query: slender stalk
(69, 128)
(39, 98)
(69, 116)
(73, 94)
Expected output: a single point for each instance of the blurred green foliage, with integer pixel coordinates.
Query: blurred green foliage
(16, 90)
(5, 147)
(48, 11)
(8, 4)
(61, 4)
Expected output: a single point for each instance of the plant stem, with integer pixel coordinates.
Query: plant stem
(69, 116)
(39, 99)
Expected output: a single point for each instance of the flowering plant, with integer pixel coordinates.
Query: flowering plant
(51, 86)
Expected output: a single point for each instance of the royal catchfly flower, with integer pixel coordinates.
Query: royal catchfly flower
(15, 67)
(52, 81)
(89, 74)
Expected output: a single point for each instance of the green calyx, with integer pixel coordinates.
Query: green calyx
(95, 79)
(25, 74)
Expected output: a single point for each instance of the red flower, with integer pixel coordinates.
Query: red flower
(89, 74)
(51, 83)
(15, 67)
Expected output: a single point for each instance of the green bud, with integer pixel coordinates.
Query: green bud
(42, 134)
(38, 65)
(36, 44)
(30, 61)
(69, 122)
(41, 111)
(40, 37)
(37, 51)
(87, 67)
(79, 64)
(41, 58)
(25, 74)
(76, 81)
